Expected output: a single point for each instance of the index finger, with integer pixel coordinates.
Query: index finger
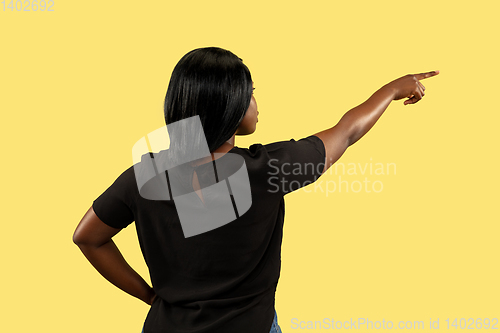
(426, 75)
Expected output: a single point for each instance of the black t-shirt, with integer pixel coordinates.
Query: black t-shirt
(223, 280)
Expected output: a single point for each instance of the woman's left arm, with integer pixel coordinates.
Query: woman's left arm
(93, 237)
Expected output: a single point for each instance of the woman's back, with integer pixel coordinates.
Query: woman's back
(223, 279)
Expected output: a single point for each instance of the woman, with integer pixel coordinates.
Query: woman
(224, 277)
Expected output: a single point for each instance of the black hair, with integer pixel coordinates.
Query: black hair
(214, 84)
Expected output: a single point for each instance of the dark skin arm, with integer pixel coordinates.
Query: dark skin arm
(93, 237)
(359, 120)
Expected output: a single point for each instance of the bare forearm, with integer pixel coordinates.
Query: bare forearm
(108, 260)
(359, 120)
(354, 124)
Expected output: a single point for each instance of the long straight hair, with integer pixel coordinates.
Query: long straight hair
(215, 85)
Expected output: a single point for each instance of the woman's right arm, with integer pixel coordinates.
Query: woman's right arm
(359, 120)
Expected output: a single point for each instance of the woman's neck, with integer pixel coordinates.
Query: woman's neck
(223, 149)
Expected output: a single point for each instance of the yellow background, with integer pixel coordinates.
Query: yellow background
(80, 85)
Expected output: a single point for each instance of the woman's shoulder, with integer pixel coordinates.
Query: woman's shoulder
(285, 146)
(308, 149)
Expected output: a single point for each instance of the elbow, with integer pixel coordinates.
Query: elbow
(350, 128)
(356, 132)
(76, 240)
(79, 237)
(352, 139)
(354, 135)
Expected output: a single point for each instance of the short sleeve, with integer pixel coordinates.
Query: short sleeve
(114, 205)
(295, 164)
